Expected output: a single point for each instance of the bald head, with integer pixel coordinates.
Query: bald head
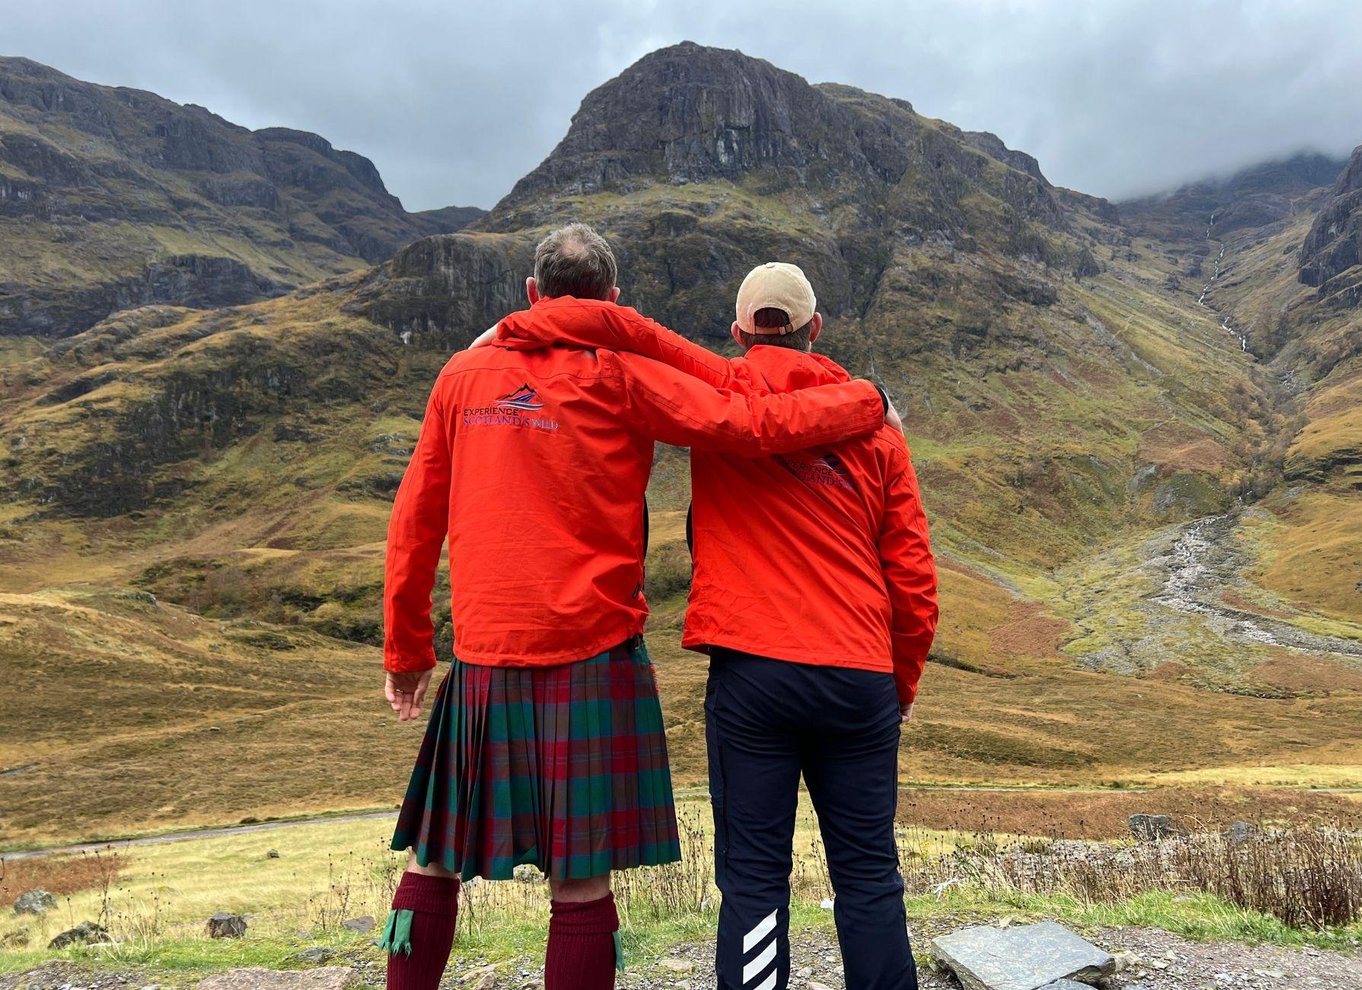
(575, 261)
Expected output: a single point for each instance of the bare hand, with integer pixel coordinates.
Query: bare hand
(905, 713)
(484, 338)
(891, 418)
(406, 691)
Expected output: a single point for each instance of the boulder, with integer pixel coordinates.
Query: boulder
(83, 934)
(1240, 832)
(316, 955)
(1152, 828)
(35, 902)
(361, 925)
(226, 926)
(1026, 957)
(258, 978)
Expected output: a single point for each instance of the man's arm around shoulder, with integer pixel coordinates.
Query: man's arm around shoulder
(675, 408)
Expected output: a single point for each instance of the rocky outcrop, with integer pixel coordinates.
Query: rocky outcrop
(443, 291)
(1334, 244)
(992, 145)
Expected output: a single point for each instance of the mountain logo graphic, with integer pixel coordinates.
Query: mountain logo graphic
(834, 463)
(524, 397)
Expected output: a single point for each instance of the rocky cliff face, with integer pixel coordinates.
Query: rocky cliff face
(112, 197)
(1333, 249)
(692, 115)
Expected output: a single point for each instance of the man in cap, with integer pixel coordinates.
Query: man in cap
(814, 593)
(545, 743)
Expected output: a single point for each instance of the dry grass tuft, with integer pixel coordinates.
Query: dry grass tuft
(1309, 878)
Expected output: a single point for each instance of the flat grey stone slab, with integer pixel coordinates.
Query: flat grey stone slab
(1029, 957)
(255, 978)
(1066, 985)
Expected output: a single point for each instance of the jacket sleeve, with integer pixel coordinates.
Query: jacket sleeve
(909, 573)
(673, 407)
(597, 324)
(416, 533)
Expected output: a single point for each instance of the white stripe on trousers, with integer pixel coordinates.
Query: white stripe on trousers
(757, 965)
(755, 936)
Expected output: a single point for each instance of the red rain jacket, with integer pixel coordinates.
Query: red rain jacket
(820, 557)
(534, 461)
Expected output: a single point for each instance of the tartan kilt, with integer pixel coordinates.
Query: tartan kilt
(562, 767)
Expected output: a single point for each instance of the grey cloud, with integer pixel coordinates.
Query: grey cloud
(454, 101)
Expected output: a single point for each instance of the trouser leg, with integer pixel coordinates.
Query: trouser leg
(852, 776)
(754, 789)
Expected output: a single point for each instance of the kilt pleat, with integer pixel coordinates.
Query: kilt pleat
(561, 767)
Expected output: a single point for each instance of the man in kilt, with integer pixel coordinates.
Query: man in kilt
(545, 741)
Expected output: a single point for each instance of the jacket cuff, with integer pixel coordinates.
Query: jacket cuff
(397, 664)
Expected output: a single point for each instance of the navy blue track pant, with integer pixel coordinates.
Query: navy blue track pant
(766, 722)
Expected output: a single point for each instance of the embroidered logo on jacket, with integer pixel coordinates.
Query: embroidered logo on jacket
(524, 397)
(511, 410)
(827, 471)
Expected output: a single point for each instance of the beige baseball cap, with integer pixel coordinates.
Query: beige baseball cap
(775, 285)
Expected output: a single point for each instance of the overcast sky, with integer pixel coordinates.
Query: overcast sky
(454, 100)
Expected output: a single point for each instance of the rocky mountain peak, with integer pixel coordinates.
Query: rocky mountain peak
(689, 113)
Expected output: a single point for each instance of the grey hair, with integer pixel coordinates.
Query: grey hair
(575, 261)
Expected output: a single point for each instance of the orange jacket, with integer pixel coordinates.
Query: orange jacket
(534, 461)
(820, 557)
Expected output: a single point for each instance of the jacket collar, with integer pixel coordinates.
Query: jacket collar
(784, 370)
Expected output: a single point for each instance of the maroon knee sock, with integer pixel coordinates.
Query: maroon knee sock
(581, 952)
(418, 943)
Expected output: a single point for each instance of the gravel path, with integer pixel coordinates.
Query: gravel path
(1152, 959)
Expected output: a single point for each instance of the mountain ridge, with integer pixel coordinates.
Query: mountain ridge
(113, 197)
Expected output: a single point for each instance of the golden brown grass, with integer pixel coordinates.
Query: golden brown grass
(58, 875)
(1313, 550)
(1103, 814)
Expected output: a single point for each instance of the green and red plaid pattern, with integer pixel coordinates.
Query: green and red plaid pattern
(563, 767)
